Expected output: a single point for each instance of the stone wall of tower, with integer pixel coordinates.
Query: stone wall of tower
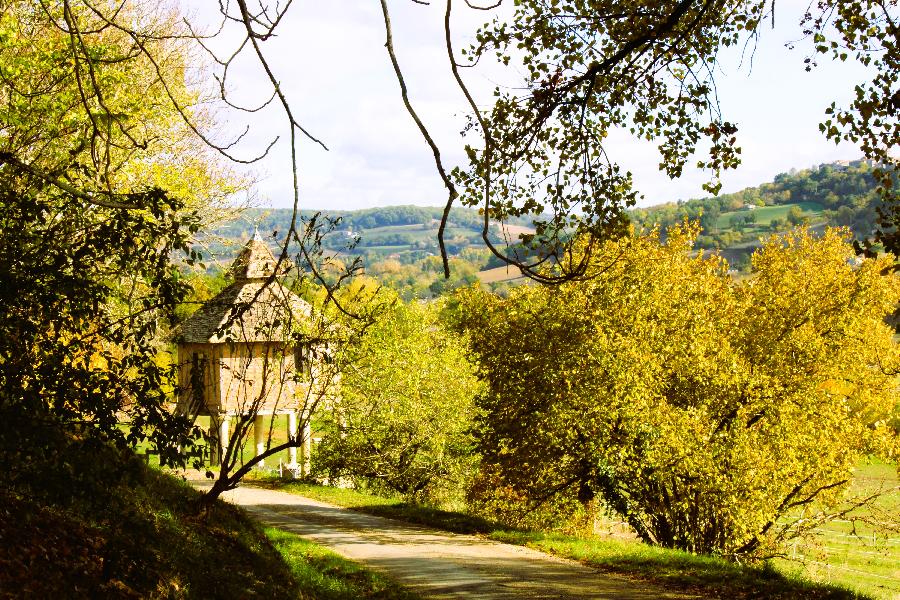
(238, 378)
(257, 377)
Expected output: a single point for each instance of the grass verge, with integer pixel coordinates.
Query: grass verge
(330, 576)
(705, 575)
(674, 568)
(115, 528)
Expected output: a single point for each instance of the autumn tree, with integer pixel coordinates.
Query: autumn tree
(714, 416)
(406, 407)
(99, 105)
(102, 183)
(795, 216)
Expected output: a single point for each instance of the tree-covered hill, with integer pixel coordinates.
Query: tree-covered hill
(405, 232)
(836, 194)
(841, 193)
(370, 218)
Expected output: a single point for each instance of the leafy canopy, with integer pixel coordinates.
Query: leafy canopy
(406, 406)
(595, 67)
(715, 416)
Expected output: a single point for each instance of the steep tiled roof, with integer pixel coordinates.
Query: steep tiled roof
(252, 309)
(256, 261)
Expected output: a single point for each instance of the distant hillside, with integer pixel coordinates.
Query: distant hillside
(835, 194)
(407, 233)
(830, 194)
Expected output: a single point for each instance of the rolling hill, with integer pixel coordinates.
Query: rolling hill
(840, 194)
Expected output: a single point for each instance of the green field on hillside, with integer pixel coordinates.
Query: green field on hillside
(401, 228)
(389, 249)
(500, 274)
(426, 233)
(765, 214)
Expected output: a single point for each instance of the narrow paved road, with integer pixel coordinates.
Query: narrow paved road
(437, 564)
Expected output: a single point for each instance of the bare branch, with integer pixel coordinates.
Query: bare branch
(452, 194)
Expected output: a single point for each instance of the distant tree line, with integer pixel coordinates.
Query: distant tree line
(278, 219)
(846, 192)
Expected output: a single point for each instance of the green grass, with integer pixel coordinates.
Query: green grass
(855, 553)
(341, 496)
(672, 568)
(765, 214)
(248, 450)
(330, 576)
(372, 238)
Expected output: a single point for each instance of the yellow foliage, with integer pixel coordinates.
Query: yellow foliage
(710, 413)
(125, 111)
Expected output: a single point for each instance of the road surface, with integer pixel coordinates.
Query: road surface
(437, 564)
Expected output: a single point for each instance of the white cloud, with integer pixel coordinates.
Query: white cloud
(332, 64)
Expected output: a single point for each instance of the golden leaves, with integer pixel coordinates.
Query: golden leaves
(703, 408)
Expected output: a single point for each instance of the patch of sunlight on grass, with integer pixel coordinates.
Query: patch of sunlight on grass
(703, 574)
(853, 552)
(330, 576)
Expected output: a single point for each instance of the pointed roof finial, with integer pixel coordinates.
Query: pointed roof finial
(255, 261)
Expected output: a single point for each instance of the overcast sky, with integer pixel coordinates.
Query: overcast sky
(331, 61)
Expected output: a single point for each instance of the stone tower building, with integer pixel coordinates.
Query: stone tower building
(238, 354)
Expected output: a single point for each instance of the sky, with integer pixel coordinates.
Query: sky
(332, 65)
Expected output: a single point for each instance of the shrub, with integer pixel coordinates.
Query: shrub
(714, 416)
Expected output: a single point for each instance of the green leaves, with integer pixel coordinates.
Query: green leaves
(99, 102)
(593, 67)
(705, 411)
(88, 294)
(406, 407)
(865, 31)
